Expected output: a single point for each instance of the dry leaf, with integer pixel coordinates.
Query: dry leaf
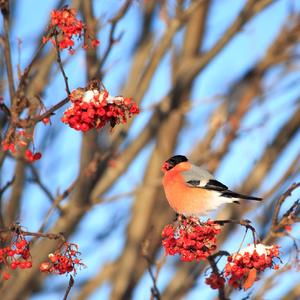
(250, 279)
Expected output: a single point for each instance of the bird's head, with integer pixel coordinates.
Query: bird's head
(172, 162)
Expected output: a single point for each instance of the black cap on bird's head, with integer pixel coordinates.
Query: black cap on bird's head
(173, 161)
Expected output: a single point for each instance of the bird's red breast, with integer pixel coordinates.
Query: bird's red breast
(182, 198)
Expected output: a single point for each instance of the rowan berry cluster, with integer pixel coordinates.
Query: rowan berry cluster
(94, 108)
(16, 142)
(65, 27)
(254, 257)
(62, 261)
(16, 255)
(215, 281)
(191, 239)
(194, 241)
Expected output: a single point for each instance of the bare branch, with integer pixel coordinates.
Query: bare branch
(155, 294)
(112, 40)
(38, 181)
(61, 67)
(5, 10)
(51, 110)
(6, 186)
(281, 201)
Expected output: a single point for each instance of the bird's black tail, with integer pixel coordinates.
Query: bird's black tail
(231, 194)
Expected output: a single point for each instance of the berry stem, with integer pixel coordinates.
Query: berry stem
(59, 61)
(71, 283)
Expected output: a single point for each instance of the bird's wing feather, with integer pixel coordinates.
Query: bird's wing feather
(215, 185)
(200, 178)
(196, 177)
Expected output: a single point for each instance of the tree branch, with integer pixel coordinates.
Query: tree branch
(7, 51)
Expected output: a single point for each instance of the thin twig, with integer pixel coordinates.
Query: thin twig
(245, 223)
(221, 290)
(61, 65)
(71, 283)
(2, 190)
(288, 219)
(56, 203)
(29, 67)
(6, 186)
(51, 110)
(51, 236)
(219, 254)
(155, 294)
(18, 230)
(114, 21)
(5, 109)
(38, 181)
(281, 200)
(27, 70)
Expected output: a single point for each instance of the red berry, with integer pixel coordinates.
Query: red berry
(28, 155)
(13, 265)
(37, 156)
(12, 148)
(53, 257)
(21, 244)
(45, 266)
(46, 121)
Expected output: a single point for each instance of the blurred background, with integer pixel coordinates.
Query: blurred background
(216, 80)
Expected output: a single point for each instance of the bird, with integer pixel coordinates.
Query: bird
(192, 191)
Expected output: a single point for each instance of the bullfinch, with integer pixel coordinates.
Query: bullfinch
(193, 191)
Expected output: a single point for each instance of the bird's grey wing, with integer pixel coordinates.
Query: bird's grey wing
(197, 177)
(201, 178)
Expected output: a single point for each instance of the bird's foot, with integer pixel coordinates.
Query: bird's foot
(194, 220)
(180, 218)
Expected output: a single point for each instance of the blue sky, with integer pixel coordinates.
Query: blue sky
(60, 167)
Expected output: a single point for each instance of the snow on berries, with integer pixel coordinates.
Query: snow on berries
(93, 107)
(64, 27)
(62, 261)
(195, 241)
(242, 267)
(191, 239)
